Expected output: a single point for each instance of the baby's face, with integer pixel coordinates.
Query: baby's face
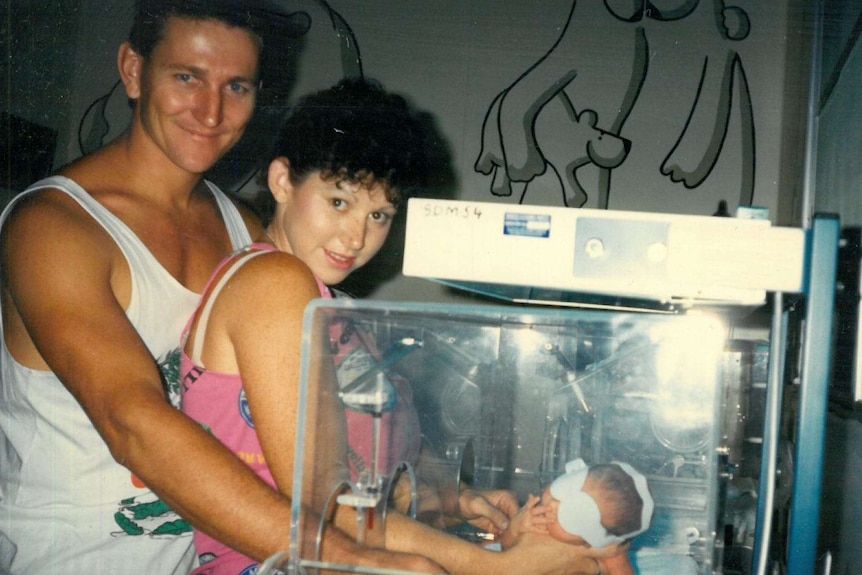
(556, 530)
(592, 488)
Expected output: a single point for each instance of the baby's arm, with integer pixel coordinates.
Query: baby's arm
(531, 518)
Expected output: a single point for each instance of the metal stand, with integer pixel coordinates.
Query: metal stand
(822, 254)
(815, 370)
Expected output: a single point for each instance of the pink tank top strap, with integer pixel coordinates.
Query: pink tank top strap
(226, 269)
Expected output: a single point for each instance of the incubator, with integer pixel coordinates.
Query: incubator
(650, 368)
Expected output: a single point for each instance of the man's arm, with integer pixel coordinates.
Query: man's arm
(59, 267)
(533, 555)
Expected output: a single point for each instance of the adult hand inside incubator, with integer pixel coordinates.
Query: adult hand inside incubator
(533, 554)
(488, 510)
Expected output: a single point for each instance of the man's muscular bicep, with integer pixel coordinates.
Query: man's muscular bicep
(32, 247)
(62, 311)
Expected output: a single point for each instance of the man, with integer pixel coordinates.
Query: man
(101, 268)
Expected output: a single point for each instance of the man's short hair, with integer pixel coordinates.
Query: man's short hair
(263, 19)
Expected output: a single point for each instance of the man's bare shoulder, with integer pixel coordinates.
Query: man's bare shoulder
(51, 227)
(45, 211)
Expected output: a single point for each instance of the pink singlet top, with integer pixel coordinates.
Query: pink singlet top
(217, 401)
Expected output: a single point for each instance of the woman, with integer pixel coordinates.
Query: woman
(345, 156)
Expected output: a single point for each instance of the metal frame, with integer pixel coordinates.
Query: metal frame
(822, 254)
(821, 260)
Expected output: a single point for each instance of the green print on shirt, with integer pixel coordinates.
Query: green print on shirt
(169, 365)
(148, 515)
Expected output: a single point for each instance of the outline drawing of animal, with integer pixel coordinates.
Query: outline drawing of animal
(577, 144)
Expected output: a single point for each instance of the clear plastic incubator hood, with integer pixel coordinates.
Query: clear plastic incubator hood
(406, 405)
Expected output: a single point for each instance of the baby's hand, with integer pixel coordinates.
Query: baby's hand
(532, 517)
(531, 503)
(536, 516)
(529, 519)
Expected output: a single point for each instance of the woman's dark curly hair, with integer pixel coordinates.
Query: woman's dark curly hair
(355, 131)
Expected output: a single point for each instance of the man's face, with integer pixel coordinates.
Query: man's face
(197, 91)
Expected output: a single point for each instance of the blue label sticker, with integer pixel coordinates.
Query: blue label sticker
(532, 225)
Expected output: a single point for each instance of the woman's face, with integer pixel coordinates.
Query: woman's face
(334, 226)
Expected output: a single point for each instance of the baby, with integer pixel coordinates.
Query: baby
(596, 506)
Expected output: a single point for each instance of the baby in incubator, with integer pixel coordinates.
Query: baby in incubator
(599, 506)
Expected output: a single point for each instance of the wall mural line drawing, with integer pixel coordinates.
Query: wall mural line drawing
(567, 113)
(633, 103)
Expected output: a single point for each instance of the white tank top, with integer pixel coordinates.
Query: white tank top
(65, 505)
